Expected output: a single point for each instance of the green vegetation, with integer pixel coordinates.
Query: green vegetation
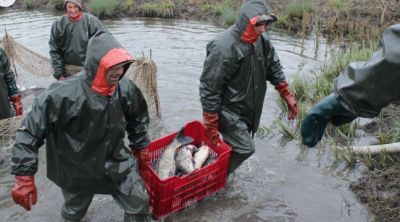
(149, 10)
(29, 3)
(297, 9)
(166, 10)
(107, 8)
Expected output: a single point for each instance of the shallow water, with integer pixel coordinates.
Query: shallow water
(282, 181)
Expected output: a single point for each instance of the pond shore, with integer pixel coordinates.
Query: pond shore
(378, 189)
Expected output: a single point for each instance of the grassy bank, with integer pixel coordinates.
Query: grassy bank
(350, 18)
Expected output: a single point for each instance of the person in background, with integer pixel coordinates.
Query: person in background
(361, 90)
(69, 37)
(9, 90)
(83, 120)
(233, 83)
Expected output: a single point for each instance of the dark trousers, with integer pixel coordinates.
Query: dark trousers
(242, 145)
(76, 206)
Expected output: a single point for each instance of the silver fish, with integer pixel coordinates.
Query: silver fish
(201, 156)
(184, 159)
(166, 165)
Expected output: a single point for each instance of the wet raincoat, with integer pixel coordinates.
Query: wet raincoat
(364, 88)
(236, 70)
(69, 39)
(7, 79)
(84, 120)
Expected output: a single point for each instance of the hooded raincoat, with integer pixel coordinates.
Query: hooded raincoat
(84, 120)
(7, 80)
(236, 70)
(69, 39)
(364, 88)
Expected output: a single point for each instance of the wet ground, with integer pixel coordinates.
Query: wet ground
(282, 181)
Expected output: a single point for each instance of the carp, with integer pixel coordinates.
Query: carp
(201, 155)
(166, 165)
(184, 159)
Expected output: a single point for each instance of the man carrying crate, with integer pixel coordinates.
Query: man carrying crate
(233, 84)
(84, 119)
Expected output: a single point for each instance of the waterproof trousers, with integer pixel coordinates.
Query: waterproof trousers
(242, 145)
(76, 206)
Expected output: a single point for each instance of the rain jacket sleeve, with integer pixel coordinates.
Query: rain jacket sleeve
(37, 125)
(9, 77)
(220, 65)
(364, 88)
(55, 52)
(137, 118)
(274, 68)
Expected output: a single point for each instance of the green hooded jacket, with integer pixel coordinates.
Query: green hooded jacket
(69, 39)
(7, 80)
(364, 88)
(84, 120)
(236, 70)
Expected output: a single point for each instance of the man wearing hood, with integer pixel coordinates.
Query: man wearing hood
(83, 120)
(233, 84)
(69, 37)
(8, 89)
(363, 89)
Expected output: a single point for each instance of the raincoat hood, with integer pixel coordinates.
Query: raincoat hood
(104, 52)
(249, 13)
(76, 2)
(364, 88)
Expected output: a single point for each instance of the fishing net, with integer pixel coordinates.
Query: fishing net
(143, 73)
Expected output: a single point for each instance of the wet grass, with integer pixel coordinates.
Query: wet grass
(28, 3)
(104, 8)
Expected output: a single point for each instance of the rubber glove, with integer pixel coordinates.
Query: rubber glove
(23, 189)
(143, 157)
(16, 102)
(328, 110)
(284, 92)
(211, 123)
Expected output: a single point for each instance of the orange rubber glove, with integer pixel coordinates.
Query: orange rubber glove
(211, 123)
(16, 102)
(284, 91)
(143, 157)
(23, 189)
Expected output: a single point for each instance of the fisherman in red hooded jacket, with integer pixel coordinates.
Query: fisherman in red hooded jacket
(233, 84)
(83, 120)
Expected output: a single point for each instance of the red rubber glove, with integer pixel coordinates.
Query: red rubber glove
(143, 157)
(284, 91)
(211, 123)
(16, 101)
(23, 189)
(60, 78)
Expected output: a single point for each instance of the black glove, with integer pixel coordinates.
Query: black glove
(314, 124)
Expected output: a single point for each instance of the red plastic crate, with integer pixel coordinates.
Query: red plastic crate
(174, 193)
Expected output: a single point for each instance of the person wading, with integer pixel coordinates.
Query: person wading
(8, 89)
(233, 84)
(69, 37)
(83, 120)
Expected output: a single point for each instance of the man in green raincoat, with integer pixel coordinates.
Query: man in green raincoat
(83, 120)
(361, 90)
(8, 89)
(233, 84)
(69, 37)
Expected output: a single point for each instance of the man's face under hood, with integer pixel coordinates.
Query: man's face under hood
(113, 75)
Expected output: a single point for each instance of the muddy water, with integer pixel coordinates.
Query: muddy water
(282, 181)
